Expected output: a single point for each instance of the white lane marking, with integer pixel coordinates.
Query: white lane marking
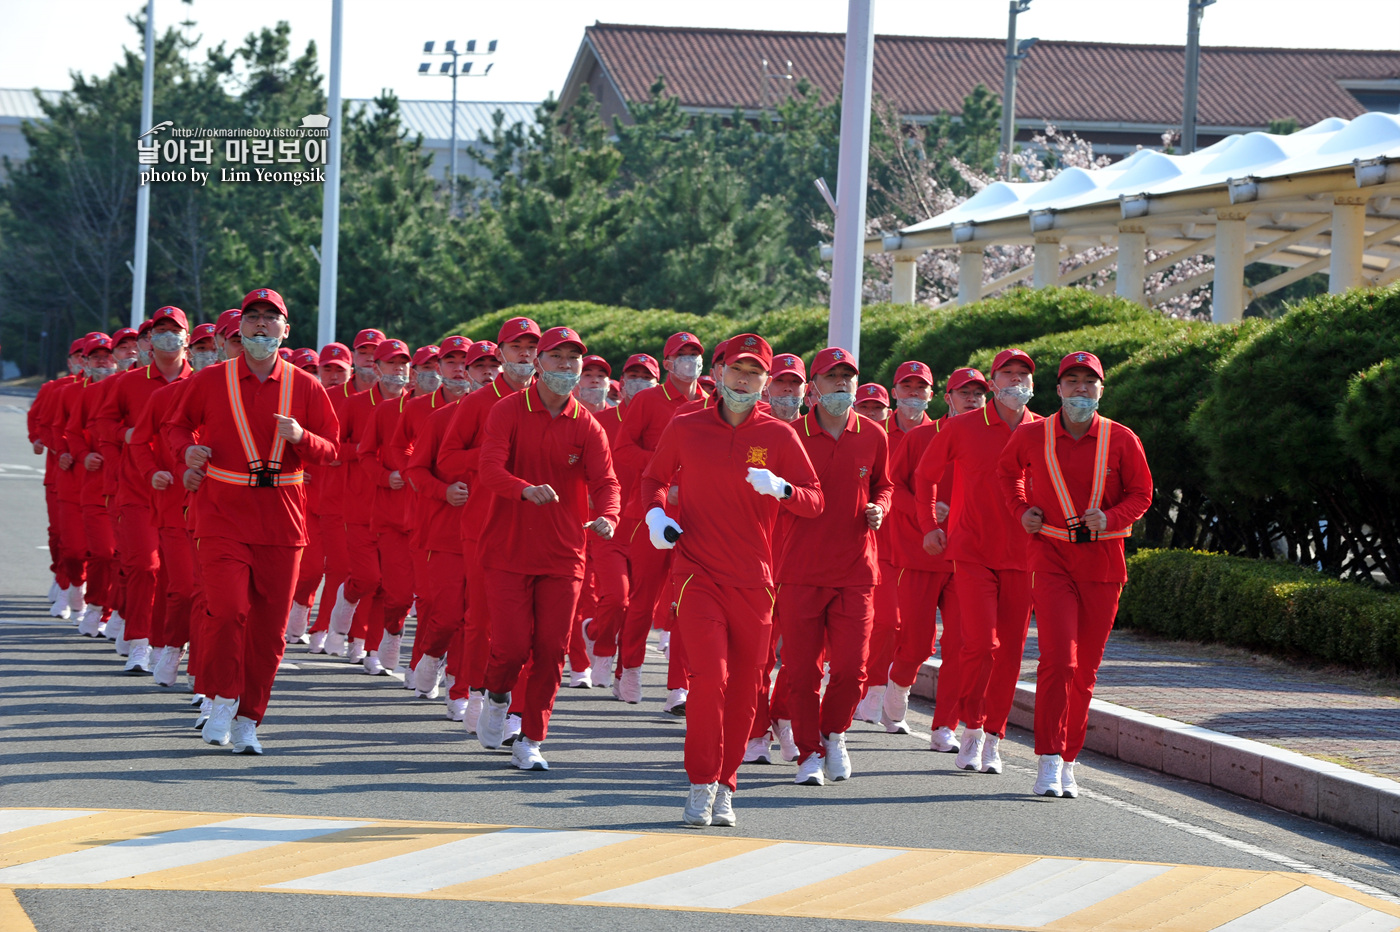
(1292, 864)
(12, 820)
(1310, 910)
(1037, 894)
(163, 851)
(745, 878)
(457, 862)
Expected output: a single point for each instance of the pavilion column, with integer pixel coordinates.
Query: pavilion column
(1047, 261)
(1227, 292)
(1348, 242)
(1132, 261)
(969, 274)
(906, 268)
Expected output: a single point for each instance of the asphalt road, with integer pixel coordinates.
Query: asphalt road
(77, 734)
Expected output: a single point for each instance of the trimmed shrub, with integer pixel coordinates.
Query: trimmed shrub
(1264, 605)
(1368, 421)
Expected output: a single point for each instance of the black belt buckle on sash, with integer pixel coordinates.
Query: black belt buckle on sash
(1079, 531)
(264, 474)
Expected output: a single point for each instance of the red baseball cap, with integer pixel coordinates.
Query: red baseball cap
(265, 296)
(614, 387)
(228, 322)
(482, 349)
(336, 354)
(76, 347)
(305, 359)
(913, 369)
(872, 391)
(645, 361)
(718, 356)
(425, 354)
(679, 341)
(169, 313)
(517, 327)
(1009, 356)
(966, 376)
(145, 327)
(388, 349)
(594, 360)
(201, 332)
(369, 337)
(706, 383)
(96, 342)
(453, 344)
(788, 364)
(831, 357)
(284, 352)
(749, 346)
(1081, 361)
(124, 334)
(556, 337)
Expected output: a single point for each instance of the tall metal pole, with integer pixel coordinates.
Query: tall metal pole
(1008, 89)
(143, 192)
(452, 178)
(1195, 9)
(330, 205)
(848, 247)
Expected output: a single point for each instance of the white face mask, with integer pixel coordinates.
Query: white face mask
(98, 373)
(521, 371)
(367, 373)
(1015, 396)
(738, 402)
(838, 403)
(428, 381)
(785, 406)
(127, 363)
(168, 341)
(561, 383)
(393, 384)
(630, 387)
(261, 347)
(461, 386)
(201, 358)
(593, 397)
(686, 368)
(142, 356)
(913, 406)
(1079, 409)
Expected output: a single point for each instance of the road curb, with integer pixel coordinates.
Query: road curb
(1276, 777)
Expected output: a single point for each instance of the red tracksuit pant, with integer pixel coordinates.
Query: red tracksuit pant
(651, 570)
(73, 542)
(140, 555)
(246, 619)
(364, 582)
(587, 608)
(921, 596)
(57, 566)
(475, 638)
(995, 606)
(337, 556)
(395, 596)
(177, 560)
(727, 632)
(441, 605)
(1072, 622)
(101, 556)
(612, 570)
(530, 621)
(884, 633)
(313, 566)
(814, 616)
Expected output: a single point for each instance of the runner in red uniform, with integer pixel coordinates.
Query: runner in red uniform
(41, 437)
(592, 393)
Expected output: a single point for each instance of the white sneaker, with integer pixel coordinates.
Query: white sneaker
(297, 620)
(426, 676)
(970, 754)
(1049, 776)
(512, 729)
(675, 702)
(245, 736)
(722, 812)
(581, 680)
(602, 668)
(629, 686)
(390, 651)
(1068, 785)
(54, 591)
(944, 741)
(491, 729)
(869, 708)
(372, 665)
(663, 643)
(335, 644)
(895, 705)
(206, 707)
(76, 605)
(893, 727)
(120, 644)
(456, 710)
(166, 671)
(139, 660)
(342, 613)
(758, 751)
(197, 699)
(809, 772)
(991, 755)
(476, 702)
(91, 625)
(317, 640)
(116, 627)
(700, 802)
(787, 744)
(221, 713)
(60, 609)
(838, 762)
(356, 651)
(525, 755)
(408, 677)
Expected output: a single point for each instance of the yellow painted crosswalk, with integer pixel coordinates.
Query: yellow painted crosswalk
(684, 870)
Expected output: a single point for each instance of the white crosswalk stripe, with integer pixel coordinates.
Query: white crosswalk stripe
(1310, 910)
(12, 820)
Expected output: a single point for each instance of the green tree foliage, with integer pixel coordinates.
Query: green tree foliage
(1368, 422)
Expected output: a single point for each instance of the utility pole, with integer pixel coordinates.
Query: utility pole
(330, 203)
(1195, 10)
(143, 191)
(1015, 54)
(848, 246)
(454, 70)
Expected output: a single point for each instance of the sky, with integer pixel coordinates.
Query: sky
(41, 41)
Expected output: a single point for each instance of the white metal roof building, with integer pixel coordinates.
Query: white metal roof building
(1325, 198)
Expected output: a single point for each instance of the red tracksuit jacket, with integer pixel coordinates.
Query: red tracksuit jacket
(914, 496)
(460, 453)
(439, 527)
(126, 399)
(647, 417)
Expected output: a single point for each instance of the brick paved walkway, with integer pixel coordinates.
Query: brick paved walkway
(1285, 708)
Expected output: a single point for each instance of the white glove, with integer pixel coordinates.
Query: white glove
(658, 524)
(765, 483)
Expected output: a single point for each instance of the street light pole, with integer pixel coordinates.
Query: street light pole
(1015, 52)
(455, 70)
(143, 192)
(330, 204)
(853, 163)
(1195, 10)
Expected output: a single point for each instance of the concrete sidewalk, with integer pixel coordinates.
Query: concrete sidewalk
(1259, 729)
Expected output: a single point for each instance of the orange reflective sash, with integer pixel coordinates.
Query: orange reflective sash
(260, 472)
(1057, 481)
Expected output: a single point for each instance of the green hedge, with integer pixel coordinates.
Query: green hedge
(1368, 421)
(1265, 605)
